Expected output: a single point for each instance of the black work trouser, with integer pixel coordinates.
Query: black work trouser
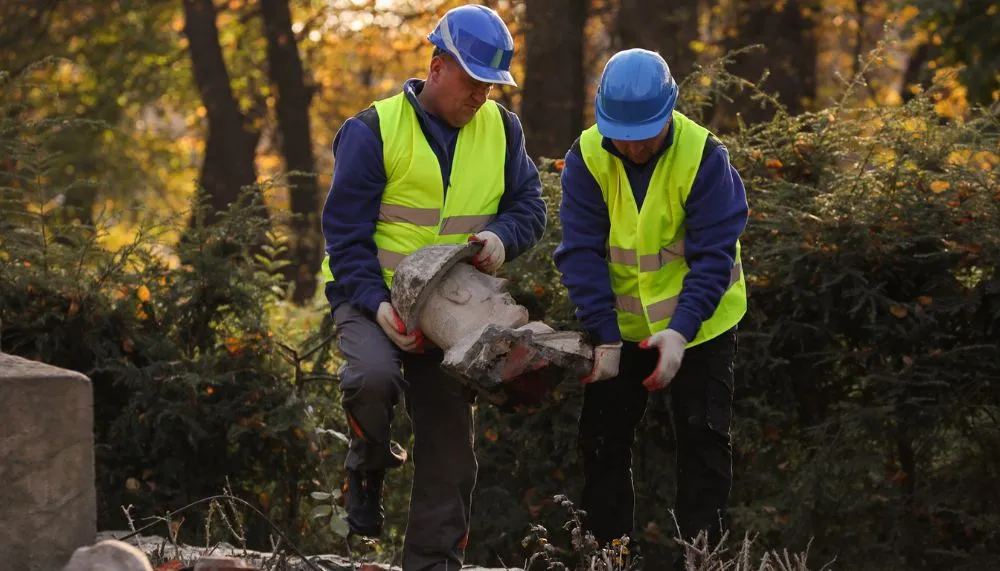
(701, 405)
(375, 376)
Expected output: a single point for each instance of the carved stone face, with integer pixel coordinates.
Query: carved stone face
(465, 301)
(487, 340)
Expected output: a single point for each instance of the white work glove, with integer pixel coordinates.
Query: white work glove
(395, 329)
(491, 257)
(671, 345)
(606, 360)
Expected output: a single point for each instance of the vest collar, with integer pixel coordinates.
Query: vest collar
(412, 88)
(608, 146)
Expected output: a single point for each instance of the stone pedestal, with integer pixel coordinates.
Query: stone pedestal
(48, 504)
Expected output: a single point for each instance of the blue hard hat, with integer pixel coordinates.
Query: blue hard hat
(635, 97)
(480, 41)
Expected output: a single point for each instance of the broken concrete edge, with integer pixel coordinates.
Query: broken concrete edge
(416, 277)
(158, 548)
(486, 365)
(14, 366)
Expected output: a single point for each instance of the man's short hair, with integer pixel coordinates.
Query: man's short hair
(442, 53)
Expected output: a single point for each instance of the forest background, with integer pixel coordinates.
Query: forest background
(867, 425)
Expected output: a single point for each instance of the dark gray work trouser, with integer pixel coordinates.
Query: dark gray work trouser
(440, 411)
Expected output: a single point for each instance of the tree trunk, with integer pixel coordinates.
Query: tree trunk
(293, 99)
(790, 52)
(230, 146)
(552, 102)
(915, 73)
(669, 31)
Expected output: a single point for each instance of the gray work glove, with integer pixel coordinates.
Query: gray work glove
(492, 256)
(671, 345)
(395, 329)
(607, 357)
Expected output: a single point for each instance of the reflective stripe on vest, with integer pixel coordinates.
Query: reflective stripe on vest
(415, 210)
(649, 262)
(663, 308)
(645, 249)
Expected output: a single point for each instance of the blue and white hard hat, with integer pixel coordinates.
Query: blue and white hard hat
(477, 37)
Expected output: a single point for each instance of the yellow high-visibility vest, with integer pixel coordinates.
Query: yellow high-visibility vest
(646, 248)
(415, 210)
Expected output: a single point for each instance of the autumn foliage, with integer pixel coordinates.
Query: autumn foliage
(868, 383)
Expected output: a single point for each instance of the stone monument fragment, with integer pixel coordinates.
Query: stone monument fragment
(48, 500)
(108, 555)
(487, 340)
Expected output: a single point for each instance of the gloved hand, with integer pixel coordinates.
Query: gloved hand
(395, 329)
(671, 345)
(491, 257)
(606, 360)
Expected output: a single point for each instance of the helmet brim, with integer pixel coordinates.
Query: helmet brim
(630, 131)
(487, 74)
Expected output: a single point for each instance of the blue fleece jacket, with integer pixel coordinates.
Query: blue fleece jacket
(359, 178)
(716, 214)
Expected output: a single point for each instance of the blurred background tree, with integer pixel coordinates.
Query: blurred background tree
(866, 131)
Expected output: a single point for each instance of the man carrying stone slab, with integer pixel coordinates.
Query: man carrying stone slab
(438, 163)
(652, 213)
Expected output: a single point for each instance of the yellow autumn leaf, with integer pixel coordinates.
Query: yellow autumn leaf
(939, 186)
(697, 46)
(959, 158)
(908, 13)
(773, 164)
(233, 345)
(898, 310)
(924, 300)
(491, 434)
(142, 292)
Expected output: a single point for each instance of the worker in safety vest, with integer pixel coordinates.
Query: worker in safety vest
(652, 212)
(437, 163)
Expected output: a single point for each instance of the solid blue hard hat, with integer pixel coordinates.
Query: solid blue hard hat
(478, 38)
(635, 97)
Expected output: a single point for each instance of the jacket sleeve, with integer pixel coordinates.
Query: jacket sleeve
(581, 255)
(716, 214)
(351, 211)
(522, 213)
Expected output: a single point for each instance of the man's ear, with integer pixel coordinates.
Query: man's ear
(437, 67)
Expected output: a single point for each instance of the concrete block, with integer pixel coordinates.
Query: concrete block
(48, 503)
